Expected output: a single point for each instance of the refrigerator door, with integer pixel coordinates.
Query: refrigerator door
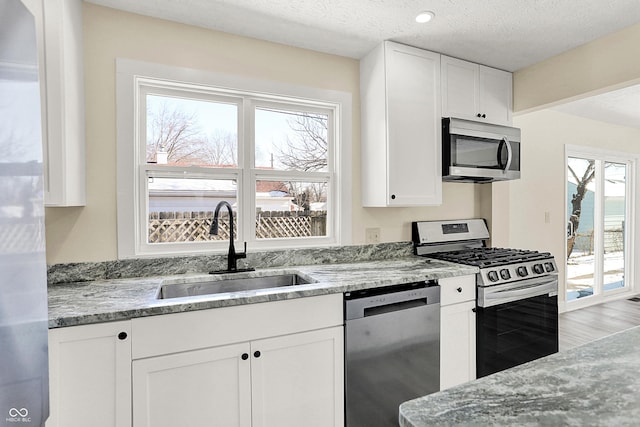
(24, 384)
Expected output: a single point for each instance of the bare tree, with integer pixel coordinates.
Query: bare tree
(221, 149)
(306, 193)
(175, 133)
(308, 150)
(576, 200)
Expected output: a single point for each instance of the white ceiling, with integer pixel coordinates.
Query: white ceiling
(506, 34)
(620, 107)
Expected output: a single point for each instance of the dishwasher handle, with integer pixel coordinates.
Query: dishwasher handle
(393, 301)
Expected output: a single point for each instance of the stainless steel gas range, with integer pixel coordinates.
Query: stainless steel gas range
(516, 292)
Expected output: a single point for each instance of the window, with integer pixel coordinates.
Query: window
(599, 225)
(278, 160)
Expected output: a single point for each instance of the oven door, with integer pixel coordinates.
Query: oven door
(516, 325)
(500, 294)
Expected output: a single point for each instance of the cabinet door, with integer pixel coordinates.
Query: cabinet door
(209, 387)
(457, 344)
(60, 59)
(90, 375)
(298, 380)
(496, 95)
(460, 90)
(414, 131)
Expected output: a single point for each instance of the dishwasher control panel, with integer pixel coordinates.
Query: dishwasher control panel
(371, 302)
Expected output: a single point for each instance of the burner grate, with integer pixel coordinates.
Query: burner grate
(490, 257)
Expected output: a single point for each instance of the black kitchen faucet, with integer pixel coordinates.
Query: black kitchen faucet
(233, 257)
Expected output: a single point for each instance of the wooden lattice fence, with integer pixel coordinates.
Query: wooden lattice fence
(165, 227)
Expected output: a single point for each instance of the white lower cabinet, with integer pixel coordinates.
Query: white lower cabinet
(457, 330)
(291, 380)
(274, 364)
(90, 375)
(195, 388)
(298, 380)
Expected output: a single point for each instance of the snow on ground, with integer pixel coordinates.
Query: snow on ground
(580, 270)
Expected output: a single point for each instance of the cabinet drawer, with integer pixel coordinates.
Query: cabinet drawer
(457, 289)
(173, 333)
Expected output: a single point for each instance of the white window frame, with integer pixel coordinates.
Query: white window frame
(132, 77)
(607, 156)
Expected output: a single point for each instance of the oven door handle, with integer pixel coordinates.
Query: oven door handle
(536, 287)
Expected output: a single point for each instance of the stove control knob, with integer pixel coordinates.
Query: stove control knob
(493, 276)
(549, 267)
(538, 268)
(522, 271)
(504, 273)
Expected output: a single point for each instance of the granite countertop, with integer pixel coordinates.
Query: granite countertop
(592, 385)
(99, 301)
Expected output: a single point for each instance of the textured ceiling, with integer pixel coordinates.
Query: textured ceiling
(506, 34)
(620, 107)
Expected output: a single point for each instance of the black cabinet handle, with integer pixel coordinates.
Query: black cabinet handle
(393, 196)
(244, 356)
(122, 336)
(459, 289)
(256, 354)
(478, 115)
(484, 116)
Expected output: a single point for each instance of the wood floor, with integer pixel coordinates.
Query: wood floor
(581, 326)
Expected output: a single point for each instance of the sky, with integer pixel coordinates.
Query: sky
(212, 117)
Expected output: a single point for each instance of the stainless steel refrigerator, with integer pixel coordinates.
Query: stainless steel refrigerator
(24, 388)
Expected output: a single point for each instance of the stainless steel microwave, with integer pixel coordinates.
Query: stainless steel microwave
(479, 152)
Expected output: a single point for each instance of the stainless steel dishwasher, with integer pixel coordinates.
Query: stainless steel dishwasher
(392, 350)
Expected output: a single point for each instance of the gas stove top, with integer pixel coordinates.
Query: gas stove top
(499, 265)
(463, 242)
(490, 257)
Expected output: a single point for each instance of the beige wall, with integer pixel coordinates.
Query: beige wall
(89, 233)
(542, 186)
(605, 64)
(608, 63)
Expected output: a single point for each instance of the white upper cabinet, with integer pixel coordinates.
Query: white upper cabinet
(401, 132)
(475, 92)
(59, 28)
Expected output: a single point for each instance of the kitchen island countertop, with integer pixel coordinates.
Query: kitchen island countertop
(596, 384)
(99, 301)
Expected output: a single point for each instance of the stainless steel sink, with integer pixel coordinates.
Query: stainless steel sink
(225, 285)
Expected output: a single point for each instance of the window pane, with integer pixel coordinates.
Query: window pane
(291, 209)
(290, 140)
(580, 228)
(181, 209)
(185, 132)
(614, 221)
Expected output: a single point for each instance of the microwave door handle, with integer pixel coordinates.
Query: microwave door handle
(507, 144)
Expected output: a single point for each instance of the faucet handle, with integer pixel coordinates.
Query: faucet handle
(242, 254)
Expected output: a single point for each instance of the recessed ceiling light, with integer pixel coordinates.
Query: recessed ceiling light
(425, 16)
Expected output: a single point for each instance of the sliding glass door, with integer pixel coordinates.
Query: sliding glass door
(598, 207)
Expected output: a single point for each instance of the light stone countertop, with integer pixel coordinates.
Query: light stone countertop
(596, 384)
(105, 300)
